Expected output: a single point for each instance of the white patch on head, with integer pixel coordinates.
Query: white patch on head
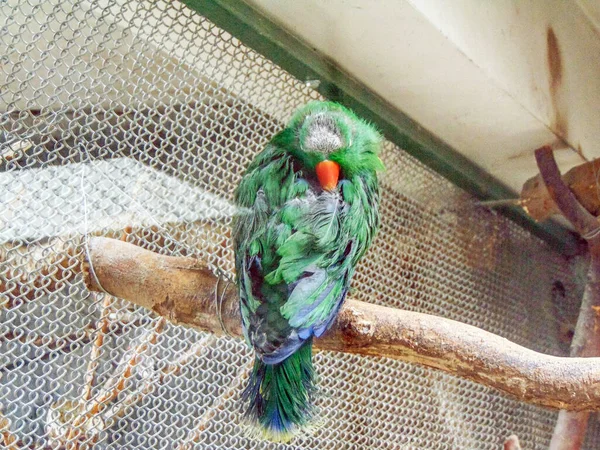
(323, 135)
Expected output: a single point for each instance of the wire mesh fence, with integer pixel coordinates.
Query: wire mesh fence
(135, 120)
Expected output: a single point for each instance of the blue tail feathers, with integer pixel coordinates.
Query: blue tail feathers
(279, 396)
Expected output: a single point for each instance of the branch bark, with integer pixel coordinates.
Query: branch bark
(570, 429)
(584, 223)
(582, 180)
(183, 291)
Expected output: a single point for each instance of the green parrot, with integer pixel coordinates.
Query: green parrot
(311, 202)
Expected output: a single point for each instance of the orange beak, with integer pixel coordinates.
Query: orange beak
(328, 173)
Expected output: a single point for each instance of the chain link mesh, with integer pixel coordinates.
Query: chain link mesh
(135, 120)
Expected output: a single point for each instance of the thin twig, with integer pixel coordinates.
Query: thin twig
(125, 318)
(51, 345)
(17, 288)
(82, 431)
(8, 439)
(47, 341)
(101, 331)
(214, 409)
(115, 385)
(191, 354)
(149, 383)
(86, 413)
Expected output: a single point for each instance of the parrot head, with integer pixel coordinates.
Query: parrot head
(333, 142)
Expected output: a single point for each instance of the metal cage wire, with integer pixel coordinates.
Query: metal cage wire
(135, 120)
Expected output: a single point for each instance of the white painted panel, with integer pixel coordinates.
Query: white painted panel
(473, 73)
(544, 54)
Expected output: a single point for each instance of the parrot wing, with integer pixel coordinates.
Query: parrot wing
(326, 235)
(315, 262)
(296, 249)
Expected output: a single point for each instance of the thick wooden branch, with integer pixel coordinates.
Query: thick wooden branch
(570, 429)
(581, 219)
(183, 291)
(582, 181)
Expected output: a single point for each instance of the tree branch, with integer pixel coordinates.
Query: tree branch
(583, 222)
(582, 180)
(569, 432)
(7, 438)
(183, 291)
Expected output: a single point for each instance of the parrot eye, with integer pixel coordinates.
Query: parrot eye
(322, 135)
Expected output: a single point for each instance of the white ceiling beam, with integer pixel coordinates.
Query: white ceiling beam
(495, 80)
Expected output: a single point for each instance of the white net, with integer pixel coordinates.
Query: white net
(135, 120)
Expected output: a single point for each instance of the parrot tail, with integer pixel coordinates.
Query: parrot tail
(279, 395)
